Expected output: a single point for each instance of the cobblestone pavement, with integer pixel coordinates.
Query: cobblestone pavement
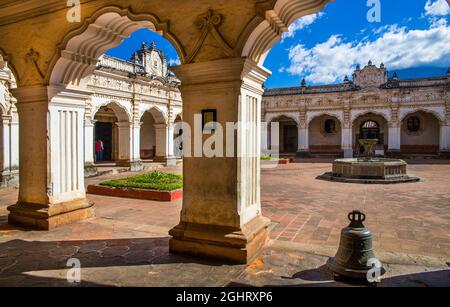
(127, 243)
(408, 218)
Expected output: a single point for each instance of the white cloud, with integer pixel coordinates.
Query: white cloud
(174, 62)
(302, 23)
(397, 47)
(437, 8)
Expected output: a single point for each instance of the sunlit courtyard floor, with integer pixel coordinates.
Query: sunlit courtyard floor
(127, 243)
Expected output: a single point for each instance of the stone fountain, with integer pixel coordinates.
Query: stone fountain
(368, 169)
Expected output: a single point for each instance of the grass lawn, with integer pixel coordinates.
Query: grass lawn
(150, 181)
(270, 158)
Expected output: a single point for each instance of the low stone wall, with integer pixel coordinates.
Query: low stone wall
(136, 193)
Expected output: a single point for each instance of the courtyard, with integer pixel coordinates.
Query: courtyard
(126, 244)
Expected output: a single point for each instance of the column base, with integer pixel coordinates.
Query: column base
(135, 166)
(219, 242)
(169, 161)
(49, 217)
(303, 154)
(347, 153)
(90, 170)
(394, 153)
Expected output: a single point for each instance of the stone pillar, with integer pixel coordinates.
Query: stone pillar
(347, 132)
(303, 142)
(128, 135)
(165, 144)
(394, 139)
(303, 135)
(265, 126)
(221, 216)
(14, 144)
(136, 146)
(51, 158)
(445, 140)
(89, 148)
(6, 174)
(347, 142)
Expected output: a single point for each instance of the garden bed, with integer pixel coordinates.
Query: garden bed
(280, 161)
(151, 186)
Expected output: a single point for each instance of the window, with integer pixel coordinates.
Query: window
(330, 126)
(413, 124)
(370, 130)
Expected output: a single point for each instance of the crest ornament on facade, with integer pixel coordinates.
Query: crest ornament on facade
(209, 23)
(33, 57)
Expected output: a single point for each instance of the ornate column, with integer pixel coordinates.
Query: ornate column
(445, 133)
(165, 144)
(264, 134)
(89, 143)
(14, 144)
(6, 150)
(221, 216)
(347, 134)
(51, 158)
(128, 135)
(303, 135)
(394, 148)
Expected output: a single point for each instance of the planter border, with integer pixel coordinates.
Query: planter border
(136, 193)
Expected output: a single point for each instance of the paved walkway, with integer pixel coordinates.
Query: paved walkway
(408, 218)
(127, 243)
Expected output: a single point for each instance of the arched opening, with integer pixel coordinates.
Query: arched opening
(325, 136)
(111, 136)
(288, 135)
(371, 126)
(223, 193)
(150, 138)
(420, 134)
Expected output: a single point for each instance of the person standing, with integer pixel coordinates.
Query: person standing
(99, 150)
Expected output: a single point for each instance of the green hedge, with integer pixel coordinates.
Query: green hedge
(150, 181)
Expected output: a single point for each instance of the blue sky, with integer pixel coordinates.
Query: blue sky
(412, 38)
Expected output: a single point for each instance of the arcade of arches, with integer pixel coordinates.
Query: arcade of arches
(221, 45)
(408, 117)
(64, 86)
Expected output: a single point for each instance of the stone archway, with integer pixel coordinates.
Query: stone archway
(420, 134)
(154, 135)
(325, 136)
(288, 135)
(112, 128)
(221, 48)
(371, 125)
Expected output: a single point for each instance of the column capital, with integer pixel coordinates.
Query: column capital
(30, 94)
(225, 71)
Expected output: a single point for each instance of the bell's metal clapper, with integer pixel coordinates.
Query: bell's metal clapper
(355, 257)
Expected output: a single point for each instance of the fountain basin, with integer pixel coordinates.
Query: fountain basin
(369, 171)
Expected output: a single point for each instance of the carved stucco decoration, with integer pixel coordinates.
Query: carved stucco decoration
(209, 23)
(32, 57)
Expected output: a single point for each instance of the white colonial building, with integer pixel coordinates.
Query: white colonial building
(409, 117)
(9, 129)
(132, 108)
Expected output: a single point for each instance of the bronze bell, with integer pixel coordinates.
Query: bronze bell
(355, 257)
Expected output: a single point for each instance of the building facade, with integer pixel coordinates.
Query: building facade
(9, 129)
(409, 117)
(132, 108)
